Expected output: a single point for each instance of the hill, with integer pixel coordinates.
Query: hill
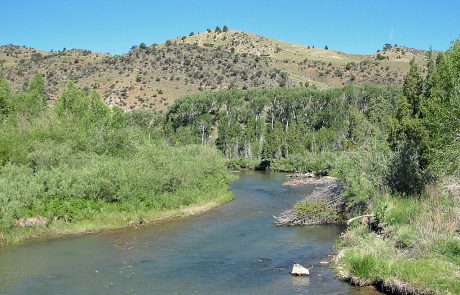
(154, 76)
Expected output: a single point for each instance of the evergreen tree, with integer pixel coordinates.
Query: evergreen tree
(413, 87)
(5, 94)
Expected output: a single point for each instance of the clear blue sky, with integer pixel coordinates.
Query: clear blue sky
(113, 26)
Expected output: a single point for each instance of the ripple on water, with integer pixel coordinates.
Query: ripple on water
(233, 249)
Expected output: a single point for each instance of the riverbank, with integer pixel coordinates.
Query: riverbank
(412, 246)
(325, 205)
(404, 245)
(234, 245)
(109, 221)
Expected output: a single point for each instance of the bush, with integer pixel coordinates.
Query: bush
(59, 184)
(405, 175)
(380, 56)
(318, 210)
(82, 159)
(363, 171)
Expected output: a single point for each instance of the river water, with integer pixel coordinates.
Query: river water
(233, 249)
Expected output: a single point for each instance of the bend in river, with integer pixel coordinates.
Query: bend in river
(233, 249)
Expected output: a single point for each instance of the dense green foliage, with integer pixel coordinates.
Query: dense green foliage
(285, 125)
(441, 110)
(80, 159)
(419, 245)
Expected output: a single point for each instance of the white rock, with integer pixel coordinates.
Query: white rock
(299, 270)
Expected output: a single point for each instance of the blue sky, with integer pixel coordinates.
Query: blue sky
(113, 26)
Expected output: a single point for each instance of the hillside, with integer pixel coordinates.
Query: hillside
(154, 76)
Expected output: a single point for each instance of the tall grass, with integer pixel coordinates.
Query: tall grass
(420, 245)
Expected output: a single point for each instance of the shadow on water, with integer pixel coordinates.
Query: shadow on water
(233, 249)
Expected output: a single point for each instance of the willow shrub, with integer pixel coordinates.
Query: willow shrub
(364, 171)
(71, 187)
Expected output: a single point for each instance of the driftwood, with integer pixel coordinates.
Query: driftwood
(330, 195)
(349, 221)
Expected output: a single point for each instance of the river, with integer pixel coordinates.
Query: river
(233, 249)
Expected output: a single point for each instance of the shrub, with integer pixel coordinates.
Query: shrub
(380, 56)
(319, 210)
(405, 175)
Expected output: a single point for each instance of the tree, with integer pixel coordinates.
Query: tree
(413, 87)
(431, 67)
(217, 30)
(204, 124)
(5, 95)
(408, 139)
(441, 110)
(225, 29)
(30, 102)
(325, 47)
(38, 91)
(142, 46)
(191, 34)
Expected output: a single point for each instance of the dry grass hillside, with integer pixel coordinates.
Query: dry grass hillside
(154, 76)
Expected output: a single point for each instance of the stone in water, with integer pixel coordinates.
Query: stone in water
(299, 270)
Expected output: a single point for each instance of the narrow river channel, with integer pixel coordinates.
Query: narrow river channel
(233, 249)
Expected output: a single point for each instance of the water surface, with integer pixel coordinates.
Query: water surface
(233, 249)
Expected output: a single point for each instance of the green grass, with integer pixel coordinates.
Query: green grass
(400, 210)
(425, 273)
(450, 248)
(420, 247)
(111, 219)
